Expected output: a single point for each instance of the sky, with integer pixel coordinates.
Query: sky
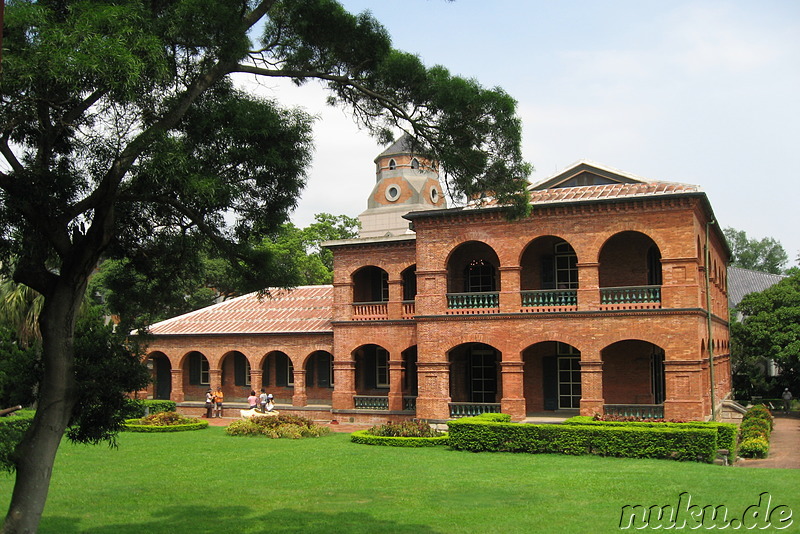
(699, 92)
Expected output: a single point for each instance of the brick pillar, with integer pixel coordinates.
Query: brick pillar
(342, 301)
(299, 397)
(396, 372)
(591, 382)
(256, 379)
(588, 286)
(431, 290)
(685, 395)
(215, 378)
(510, 300)
(344, 384)
(513, 401)
(434, 390)
(395, 304)
(176, 392)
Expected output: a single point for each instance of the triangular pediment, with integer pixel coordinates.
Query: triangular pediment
(587, 173)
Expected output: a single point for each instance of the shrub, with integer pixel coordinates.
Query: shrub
(364, 437)
(696, 444)
(759, 411)
(165, 422)
(754, 447)
(12, 428)
(754, 427)
(280, 426)
(726, 432)
(166, 419)
(405, 429)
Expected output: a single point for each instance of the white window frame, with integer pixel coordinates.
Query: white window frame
(381, 368)
(205, 375)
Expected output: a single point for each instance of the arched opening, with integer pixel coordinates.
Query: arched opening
(472, 277)
(370, 284)
(392, 164)
(372, 370)
(409, 278)
(549, 274)
(634, 381)
(410, 374)
(474, 374)
(277, 375)
(198, 378)
(319, 377)
(161, 372)
(552, 377)
(414, 163)
(235, 376)
(630, 272)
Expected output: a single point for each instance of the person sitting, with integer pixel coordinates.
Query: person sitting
(252, 400)
(270, 405)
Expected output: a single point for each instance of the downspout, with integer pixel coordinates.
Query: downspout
(708, 323)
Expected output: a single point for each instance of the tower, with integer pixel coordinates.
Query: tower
(405, 182)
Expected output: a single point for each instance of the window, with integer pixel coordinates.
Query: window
(392, 164)
(392, 193)
(566, 266)
(483, 375)
(289, 373)
(569, 382)
(381, 368)
(414, 163)
(479, 277)
(198, 370)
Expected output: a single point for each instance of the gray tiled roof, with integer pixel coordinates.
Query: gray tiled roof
(744, 281)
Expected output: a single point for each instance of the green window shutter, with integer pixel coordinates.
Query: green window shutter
(281, 370)
(194, 369)
(324, 370)
(239, 369)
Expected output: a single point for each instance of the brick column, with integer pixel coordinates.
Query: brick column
(433, 390)
(215, 378)
(591, 382)
(395, 304)
(510, 300)
(344, 384)
(431, 290)
(256, 379)
(513, 401)
(176, 393)
(396, 372)
(299, 397)
(588, 286)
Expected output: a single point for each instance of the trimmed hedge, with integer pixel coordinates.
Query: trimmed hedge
(726, 432)
(754, 432)
(365, 438)
(12, 427)
(132, 425)
(478, 434)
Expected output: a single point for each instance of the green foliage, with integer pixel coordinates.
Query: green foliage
(280, 426)
(365, 437)
(108, 367)
(754, 447)
(771, 329)
(726, 432)
(165, 419)
(404, 429)
(19, 371)
(12, 428)
(134, 425)
(766, 255)
(693, 444)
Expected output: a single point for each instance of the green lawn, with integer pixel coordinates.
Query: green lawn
(204, 481)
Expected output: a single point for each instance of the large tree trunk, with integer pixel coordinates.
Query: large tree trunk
(36, 453)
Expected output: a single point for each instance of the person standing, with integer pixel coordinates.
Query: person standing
(209, 404)
(218, 397)
(787, 400)
(262, 400)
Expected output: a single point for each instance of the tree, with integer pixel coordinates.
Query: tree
(770, 329)
(139, 292)
(766, 255)
(122, 136)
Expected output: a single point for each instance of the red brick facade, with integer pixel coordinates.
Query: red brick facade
(595, 304)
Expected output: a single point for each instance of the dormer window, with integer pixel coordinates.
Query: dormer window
(392, 164)
(415, 163)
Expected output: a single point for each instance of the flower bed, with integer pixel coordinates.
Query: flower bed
(280, 426)
(165, 422)
(754, 432)
(404, 434)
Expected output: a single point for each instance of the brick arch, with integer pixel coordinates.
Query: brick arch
(633, 372)
(460, 257)
(538, 263)
(370, 284)
(604, 238)
(625, 260)
(475, 372)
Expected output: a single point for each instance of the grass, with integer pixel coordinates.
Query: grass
(208, 482)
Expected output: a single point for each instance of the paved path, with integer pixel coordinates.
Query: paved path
(784, 444)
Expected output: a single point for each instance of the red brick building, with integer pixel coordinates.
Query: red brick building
(610, 297)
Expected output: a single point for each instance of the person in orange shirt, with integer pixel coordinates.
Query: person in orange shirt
(218, 396)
